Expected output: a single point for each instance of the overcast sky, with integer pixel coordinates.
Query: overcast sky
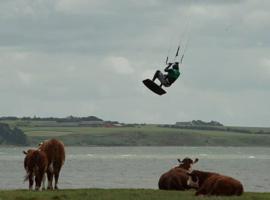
(88, 57)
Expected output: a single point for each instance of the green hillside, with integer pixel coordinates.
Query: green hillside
(110, 134)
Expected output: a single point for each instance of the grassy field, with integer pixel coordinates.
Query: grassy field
(141, 135)
(117, 194)
(145, 136)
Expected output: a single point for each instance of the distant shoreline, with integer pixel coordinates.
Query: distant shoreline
(197, 134)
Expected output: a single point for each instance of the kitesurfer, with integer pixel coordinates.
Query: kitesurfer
(170, 77)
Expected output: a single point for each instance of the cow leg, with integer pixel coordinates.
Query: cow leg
(56, 176)
(201, 191)
(31, 182)
(50, 179)
(43, 181)
(38, 181)
(39, 178)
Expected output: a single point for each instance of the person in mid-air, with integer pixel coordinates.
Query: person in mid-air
(172, 74)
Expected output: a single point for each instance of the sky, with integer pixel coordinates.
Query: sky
(89, 57)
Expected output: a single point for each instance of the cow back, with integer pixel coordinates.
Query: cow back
(224, 185)
(35, 160)
(54, 150)
(174, 179)
(220, 185)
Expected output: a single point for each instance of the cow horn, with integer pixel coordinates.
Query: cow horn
(179, 160)
(24, 152)
(196, 160)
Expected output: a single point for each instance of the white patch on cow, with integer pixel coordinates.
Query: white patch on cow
(51, 168)
(192, 183)
(50, 183)
(190, 168)
(43, 181)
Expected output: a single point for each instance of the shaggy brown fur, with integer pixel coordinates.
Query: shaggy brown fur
(55, 151)
(35, 164)
(208, 183)
(176, 178)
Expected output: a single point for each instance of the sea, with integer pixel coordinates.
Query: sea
(141, 167)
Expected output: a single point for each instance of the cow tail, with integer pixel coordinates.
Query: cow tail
(26, 177)
(37, 158)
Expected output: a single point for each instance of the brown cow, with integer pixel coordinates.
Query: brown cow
(176, 178)
(208, 183)
(55, 152)
(35, 164)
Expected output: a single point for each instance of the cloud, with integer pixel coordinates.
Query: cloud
(55, 54)
(25, 78)
(266, 63)
(81, 6)
(264, 71)
(119, 65)
(148, 74)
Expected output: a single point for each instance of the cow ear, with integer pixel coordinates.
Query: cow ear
(24, 152)
(196, 160)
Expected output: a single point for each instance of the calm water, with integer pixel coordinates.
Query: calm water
(141, 167)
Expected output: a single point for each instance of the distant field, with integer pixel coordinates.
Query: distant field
(118, 194)
(142, 135)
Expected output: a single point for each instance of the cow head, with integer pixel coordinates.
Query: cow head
(187, 163)
(193, 180)
(28, 151)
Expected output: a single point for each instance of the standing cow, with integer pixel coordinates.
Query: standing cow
(176, 178)
(55, 153)
(35, 164)
(208, 183)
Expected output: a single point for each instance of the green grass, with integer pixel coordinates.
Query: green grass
(117, 194)
(146, 136)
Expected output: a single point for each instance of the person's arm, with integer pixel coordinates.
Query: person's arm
(167, 68)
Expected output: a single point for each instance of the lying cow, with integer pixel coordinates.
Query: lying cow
(35, 164)
(55, 153)
(176, 178)
(208, 183)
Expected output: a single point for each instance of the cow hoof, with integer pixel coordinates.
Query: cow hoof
(49, 188)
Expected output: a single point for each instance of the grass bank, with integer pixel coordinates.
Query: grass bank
(142, 135)
(117, 194)
(145, 136)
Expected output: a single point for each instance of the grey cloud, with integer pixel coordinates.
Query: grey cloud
(76, 57)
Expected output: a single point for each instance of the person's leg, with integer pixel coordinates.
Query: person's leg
(163, 80)
(156, 75)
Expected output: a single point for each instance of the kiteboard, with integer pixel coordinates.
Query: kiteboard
(153, 87)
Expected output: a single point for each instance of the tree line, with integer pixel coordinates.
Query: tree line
(13, 136)
(58, 119)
